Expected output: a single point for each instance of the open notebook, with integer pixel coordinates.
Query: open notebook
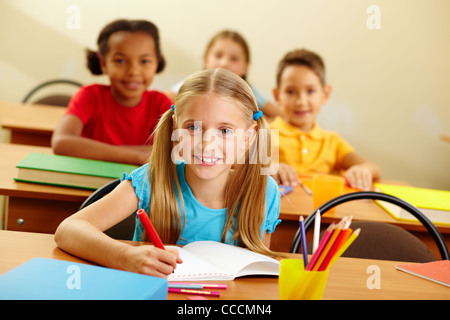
(210, 260)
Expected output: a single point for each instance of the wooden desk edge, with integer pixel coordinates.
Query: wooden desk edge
(43, 245)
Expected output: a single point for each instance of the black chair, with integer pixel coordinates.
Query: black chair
(52, 99)
(385, 241)
(124, 230)
(386, 249)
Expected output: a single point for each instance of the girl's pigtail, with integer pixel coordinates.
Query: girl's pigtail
(93, 62)
(162, 175)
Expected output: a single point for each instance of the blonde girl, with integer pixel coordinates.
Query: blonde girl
(212, 194)
(229, 50)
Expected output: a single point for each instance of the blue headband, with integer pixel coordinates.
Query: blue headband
(257, 115)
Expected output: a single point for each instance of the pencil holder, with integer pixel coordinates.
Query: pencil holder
(294, 283)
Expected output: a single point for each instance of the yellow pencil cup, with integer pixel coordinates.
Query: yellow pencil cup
(294, 283)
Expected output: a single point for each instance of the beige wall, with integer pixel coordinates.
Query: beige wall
(391, 93)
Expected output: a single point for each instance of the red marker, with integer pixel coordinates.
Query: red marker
(151, 232)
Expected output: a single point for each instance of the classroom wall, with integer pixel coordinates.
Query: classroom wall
(390, 76)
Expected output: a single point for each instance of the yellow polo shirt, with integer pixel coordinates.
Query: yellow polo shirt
(315, 151)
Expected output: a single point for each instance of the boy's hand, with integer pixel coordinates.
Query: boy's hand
(286, 175)
(359, 177)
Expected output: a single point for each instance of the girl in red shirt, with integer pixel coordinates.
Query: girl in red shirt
(115, 122)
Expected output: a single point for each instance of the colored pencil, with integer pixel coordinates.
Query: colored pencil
(344, 247)
(306, 189)
(316, 236)
(185, 286)
(196, 292)
(322, 245)
(336, 240)
(323, 254)
(214, 285)
(196, 298)
(304, 245)
(204, 285)
(347, 233)
(344, 234)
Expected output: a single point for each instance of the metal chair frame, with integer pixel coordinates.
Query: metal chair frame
(48, 83)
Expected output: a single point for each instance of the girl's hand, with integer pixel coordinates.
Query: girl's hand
(359, 177)
(151, 260)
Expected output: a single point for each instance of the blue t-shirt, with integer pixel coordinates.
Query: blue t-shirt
(202, 223)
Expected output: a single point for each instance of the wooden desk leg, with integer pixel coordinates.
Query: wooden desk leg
(37, 215)
(3, 211)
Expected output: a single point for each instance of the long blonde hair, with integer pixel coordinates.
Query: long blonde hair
(246, 190)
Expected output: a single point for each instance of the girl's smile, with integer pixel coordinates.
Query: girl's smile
(132, 85)
(207, 161)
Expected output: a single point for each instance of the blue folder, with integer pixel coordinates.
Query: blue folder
(50, 279)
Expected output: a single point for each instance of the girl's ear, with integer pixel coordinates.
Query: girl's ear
(102, 64)
(174, 122)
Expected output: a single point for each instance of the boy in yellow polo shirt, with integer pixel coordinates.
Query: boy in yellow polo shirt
(305, 148)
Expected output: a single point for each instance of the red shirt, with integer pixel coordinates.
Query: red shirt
(107, 121)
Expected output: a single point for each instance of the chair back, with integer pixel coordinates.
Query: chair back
(124, 230)
(383, 241)
(54, 99)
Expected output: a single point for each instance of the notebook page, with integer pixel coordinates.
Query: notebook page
(233, 259)
(195, 268)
